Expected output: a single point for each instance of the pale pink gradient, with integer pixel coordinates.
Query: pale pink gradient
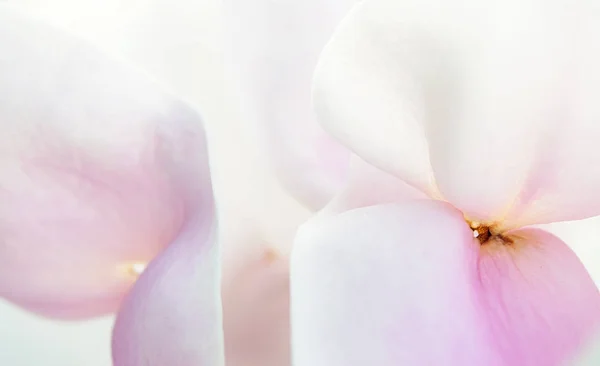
(102, 170)
(407, 284)
(172, 316)
(93, 157)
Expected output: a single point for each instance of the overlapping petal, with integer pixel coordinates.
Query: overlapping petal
(173, 314)
(94, 164)
(496, 99)
(407, 284)
(274, 50)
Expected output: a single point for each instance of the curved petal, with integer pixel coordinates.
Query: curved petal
(542, 304)
(408, 285)
(499, 98)
(173, 314)
(92, 161)
(274, 50)
(362, 100)
(178, 42)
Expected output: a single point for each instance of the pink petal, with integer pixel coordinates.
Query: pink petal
(95, 164)
(178, 45)
(275, 46)
(409, 285)
(552, 304)
(500, 99)
(173, 314)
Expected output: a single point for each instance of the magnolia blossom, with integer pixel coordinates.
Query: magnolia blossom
(255, 274)
(490, 110)
(101, 169)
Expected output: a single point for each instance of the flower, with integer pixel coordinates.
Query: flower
(489, 109)
(255, 267)
(177, 289)
(101, 170)
(92, 180)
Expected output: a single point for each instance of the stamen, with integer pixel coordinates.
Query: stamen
(483, 234)
(270, 255)
(137, 268)
(487, 234)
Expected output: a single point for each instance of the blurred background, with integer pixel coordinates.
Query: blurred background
(27, 340)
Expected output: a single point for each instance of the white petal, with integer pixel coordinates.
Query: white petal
(367, 101)
(497, 97)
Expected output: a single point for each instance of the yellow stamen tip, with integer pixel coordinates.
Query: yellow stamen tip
(136, 269)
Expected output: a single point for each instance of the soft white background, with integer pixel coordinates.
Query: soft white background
(26, 340)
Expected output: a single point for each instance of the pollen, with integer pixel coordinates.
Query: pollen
(487, 234)
(130, 271)
(482, 233)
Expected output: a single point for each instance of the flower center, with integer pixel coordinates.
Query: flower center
(488, 234)
(133, 269)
